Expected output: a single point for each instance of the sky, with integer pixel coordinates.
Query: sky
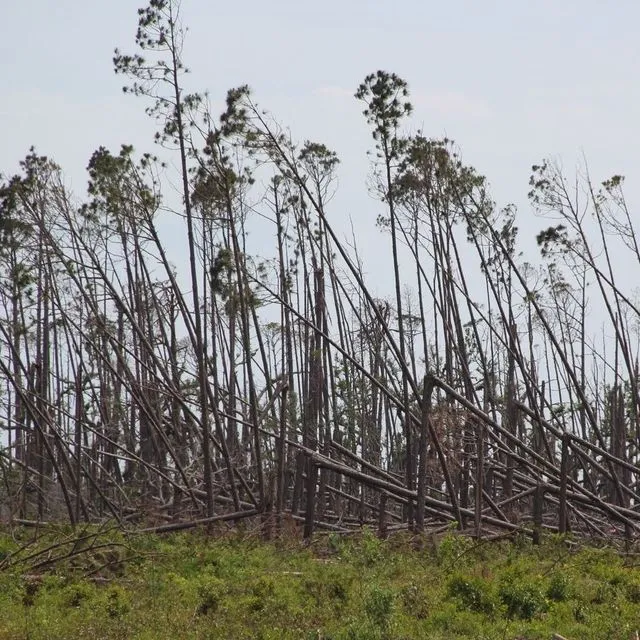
(511, 81)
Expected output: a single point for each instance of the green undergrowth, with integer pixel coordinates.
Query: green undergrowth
(194, 585)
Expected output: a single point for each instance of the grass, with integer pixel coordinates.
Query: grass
(358, 588)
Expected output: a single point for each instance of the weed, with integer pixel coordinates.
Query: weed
(473, 594)
(559, 587)
(454, 549)
(523, 601)
(76, 594)
(581, 614)
(116, 602)
(414, 601)
(194, 586)
(329, 589)
(632, 591)
(31, 587)
(378, 606)
(370, 548)
(209, 592)
(605, 594)
(334, 542)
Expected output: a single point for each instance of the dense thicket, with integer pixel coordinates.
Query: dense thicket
(277, 385)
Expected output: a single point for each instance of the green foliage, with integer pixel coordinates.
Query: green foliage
(378, 606)
(415, 600)
(632, 591)
(158, 76)
(77, 594)
(370, 548)
(453, 550)
(473, 594)
(559, 588)
(331, 588)
(188, 585)
(366, 550)
(210, 592)
(523, 600)
(386, 96)
(7, 546)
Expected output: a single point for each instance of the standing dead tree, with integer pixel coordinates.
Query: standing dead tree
(266, 379)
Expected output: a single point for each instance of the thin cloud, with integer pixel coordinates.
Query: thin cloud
(333, 91)
(452, 103)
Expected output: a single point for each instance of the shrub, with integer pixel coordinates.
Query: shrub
(581, 614)
(453, 548)
(378, 606)
(116, 602)
(472, 594)
(559, 588)
(523, 601)
(632, 592)
(262, 587)
(331, 588)
(31, 588)
(6, 547)
(75, 594)
(209, 591)
(370, 548)
(414, 601)
(605, 594)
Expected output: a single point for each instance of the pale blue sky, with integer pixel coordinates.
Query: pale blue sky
(512, 81)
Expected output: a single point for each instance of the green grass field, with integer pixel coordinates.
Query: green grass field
(222, 586)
